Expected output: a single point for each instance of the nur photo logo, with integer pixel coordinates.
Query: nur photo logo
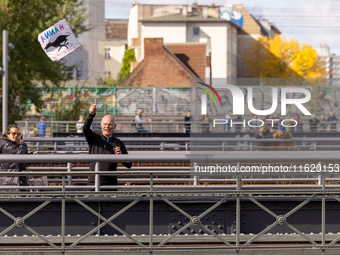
(239, 99)
(204, 97)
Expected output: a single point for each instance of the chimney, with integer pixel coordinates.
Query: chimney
(153, 46)
(184, 11)
(205, 11)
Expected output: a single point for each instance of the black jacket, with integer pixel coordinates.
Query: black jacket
(266, 134)
(8, 146)
(98, 145)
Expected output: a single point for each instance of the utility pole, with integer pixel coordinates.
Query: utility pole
(5, 80)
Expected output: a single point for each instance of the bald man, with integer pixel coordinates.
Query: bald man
(104, 143)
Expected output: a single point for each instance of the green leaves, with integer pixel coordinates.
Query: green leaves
(129, 56)
(29, 66)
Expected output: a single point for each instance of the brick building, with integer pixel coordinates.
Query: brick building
(162, 67)
(192, 55)
(187, 24)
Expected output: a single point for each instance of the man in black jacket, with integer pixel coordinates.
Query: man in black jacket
(104, 143)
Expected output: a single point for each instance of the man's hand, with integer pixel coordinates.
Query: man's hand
(117, 150)
(93, 109)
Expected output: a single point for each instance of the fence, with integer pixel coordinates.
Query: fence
(226, 241)
(187, 143)
(29, 127)
(156, 101)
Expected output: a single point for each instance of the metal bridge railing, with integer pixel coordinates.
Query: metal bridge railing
(236, 242)
(187, 143)
(29, 127)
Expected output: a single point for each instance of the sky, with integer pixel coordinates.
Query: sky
(314, 22)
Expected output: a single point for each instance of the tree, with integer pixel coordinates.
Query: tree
(77, 108)
(107, 81)
(29, 65)
(279, 58)
(129, 55)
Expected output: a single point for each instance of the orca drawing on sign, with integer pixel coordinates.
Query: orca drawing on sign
(60, 42)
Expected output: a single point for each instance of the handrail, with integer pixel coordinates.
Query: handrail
(187, 143)
(186, 139)
(158, 122)
(132, 157)
(179, 156)
(158, 126)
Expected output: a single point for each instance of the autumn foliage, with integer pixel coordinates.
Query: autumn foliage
(279, 58)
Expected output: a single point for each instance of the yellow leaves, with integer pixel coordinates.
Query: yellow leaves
(279, 58)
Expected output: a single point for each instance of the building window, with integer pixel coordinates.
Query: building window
(196, 31)
(107, 53)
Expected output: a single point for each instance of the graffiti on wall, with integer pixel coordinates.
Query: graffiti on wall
(122, 101)
(125, 101)
(62, 99)
(153, 101)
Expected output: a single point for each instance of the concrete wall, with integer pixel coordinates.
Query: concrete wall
(171, 33)
(92, 42)
(221, 39)
(114, 64)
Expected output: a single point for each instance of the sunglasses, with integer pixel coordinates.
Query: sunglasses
(15, 133)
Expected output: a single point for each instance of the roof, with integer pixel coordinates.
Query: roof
(180, 18)
(193, 55)
(116, 30)
(181, 63)
(160, 67)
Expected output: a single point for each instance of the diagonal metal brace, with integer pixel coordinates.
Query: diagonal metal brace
(19, 222)
(107, 221)
(214, 234)
(194, 220)
(260, 234)
(41, 237)
(174, 234)
(213, 207)
(281, 219)
(176, 207)
(336, 239)
(299, 206)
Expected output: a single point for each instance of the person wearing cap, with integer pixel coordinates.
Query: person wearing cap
(282, 134)
(313, 123)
